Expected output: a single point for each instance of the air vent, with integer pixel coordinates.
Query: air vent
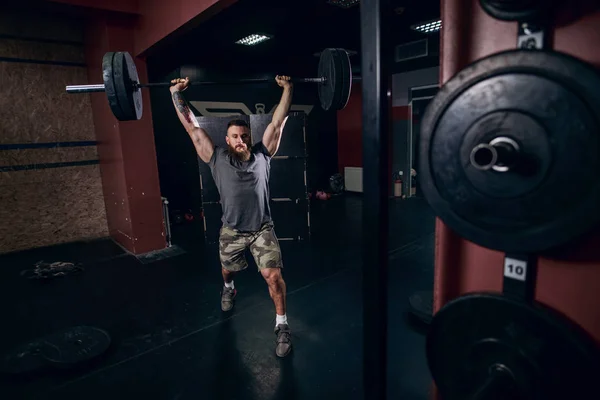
(411, 50)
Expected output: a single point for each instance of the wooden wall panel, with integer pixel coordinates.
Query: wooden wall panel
(34, 106)
(50, 206)
(50, 181)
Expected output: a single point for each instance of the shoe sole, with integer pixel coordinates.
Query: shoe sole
(284, 355)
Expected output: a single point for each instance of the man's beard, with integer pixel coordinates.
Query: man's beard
(239, 155)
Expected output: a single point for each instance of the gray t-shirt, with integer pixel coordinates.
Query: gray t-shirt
(243, 187)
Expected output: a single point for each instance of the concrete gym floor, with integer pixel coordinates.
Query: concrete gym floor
(170, 339)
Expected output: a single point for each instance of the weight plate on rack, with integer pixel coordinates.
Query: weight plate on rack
(510, 152)
(124, 76)
(516, 10)
(542, 354)
(109, 86)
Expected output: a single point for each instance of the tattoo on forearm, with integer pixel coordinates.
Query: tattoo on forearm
(182, 106)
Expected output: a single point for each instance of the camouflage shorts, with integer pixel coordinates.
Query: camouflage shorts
(263, 245)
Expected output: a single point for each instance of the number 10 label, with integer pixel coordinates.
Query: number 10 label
(515, 269)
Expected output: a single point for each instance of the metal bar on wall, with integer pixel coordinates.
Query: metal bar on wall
(46, 145)
(46, 62)
(376, 111)
(27, 167)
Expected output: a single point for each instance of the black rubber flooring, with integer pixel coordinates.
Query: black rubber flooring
(170, 339)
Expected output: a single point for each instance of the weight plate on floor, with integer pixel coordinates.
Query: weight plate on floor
(509, 152)
(124, 76)
(516, 10)
(26, 358)
(75, 345)
(109, 86)
(333, 67)
(543, 354)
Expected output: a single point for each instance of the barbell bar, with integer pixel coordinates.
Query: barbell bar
(136, 85)
(122, 86)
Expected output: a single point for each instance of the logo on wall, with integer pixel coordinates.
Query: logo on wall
(229, 109)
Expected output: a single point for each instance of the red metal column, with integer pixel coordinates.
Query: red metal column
(126, 150)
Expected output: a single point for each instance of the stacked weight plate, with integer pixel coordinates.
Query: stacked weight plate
(510, 160)
(120, 76)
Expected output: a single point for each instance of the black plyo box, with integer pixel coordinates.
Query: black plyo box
(288, 178)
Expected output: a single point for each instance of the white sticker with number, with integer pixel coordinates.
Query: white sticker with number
(515, 269)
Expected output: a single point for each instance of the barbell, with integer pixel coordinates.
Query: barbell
(122, 85)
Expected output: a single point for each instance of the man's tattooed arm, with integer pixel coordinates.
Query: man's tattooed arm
(202, 142)
(183, 110)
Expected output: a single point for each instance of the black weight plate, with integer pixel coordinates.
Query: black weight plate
(340, 76)
(546, 355)
(26, 358)
(346, 87)
(109, 86)
(547, 102)
(331, 68)
(324, 70)
(75, 345)
(124, 76)
(516, 10)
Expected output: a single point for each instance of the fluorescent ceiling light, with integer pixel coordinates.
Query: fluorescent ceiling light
(428, 27)
(254, 39)
(343, 3)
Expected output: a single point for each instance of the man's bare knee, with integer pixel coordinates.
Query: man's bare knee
(272, 276)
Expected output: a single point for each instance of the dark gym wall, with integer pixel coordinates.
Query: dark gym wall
(50, 183)
(350, 131)
(350, 123)
(571, 284)
(407, 74)
(176, 155)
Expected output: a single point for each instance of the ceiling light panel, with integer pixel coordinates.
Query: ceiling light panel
(428, 27)
(254, 39)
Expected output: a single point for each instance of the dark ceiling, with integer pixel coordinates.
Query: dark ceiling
(300, 28)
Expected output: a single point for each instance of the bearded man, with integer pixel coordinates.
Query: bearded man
(241, 173)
